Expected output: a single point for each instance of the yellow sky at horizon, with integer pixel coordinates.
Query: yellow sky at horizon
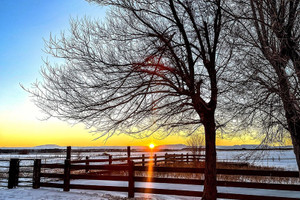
(62, 134)
(71, 136)
(20, 127)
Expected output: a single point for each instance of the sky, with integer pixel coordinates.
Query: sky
(24, 25)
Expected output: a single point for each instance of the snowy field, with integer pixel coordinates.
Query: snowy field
(55, 194)
(284, 159)
(58, 194)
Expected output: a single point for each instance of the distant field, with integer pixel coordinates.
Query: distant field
(281, 158)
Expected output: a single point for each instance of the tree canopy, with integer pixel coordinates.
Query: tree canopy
(150, 65)
(146, 59)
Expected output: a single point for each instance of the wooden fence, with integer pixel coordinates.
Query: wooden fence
(142, 160)
(15, 174)
(75, 170)
(136, 169)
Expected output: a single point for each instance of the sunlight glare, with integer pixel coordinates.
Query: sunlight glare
(151, 146)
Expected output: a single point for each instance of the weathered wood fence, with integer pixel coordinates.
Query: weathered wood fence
(70, 174)
(71, 171)
(141, 160)
(28, 174)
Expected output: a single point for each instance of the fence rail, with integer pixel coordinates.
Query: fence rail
(145, 159)
(4, 168)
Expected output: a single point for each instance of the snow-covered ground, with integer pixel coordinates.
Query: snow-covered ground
(58, 194)
(55, 194)
(284, 159)
(51, 194)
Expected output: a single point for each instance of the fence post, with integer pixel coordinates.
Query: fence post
(67, 175)
(36, 180)
(155, 160)
(87, 163)
(166, 157)
(13, 174)
(143, 160)
(182, 157)
(110, 159)
(187, 158)
(130, 179)
(128, 154)
(68, 153)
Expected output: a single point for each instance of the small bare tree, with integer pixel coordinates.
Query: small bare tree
(196, 144)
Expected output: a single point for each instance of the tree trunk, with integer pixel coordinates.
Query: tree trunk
(294, 128)
(296, 145)
(296, 62)
(210, 182)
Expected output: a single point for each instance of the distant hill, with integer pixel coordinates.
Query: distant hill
(253, 147)
(171, 146)
(48, 146)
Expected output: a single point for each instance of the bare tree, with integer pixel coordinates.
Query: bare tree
(268, 36)
(196, 143)
(154, 64)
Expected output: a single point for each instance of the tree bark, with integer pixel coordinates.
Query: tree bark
(294, 128)
(210, 182)
(295, 57)
(296, 145)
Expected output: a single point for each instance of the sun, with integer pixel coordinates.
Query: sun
(151, 146)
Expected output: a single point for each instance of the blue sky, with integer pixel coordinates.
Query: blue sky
(24, 24)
